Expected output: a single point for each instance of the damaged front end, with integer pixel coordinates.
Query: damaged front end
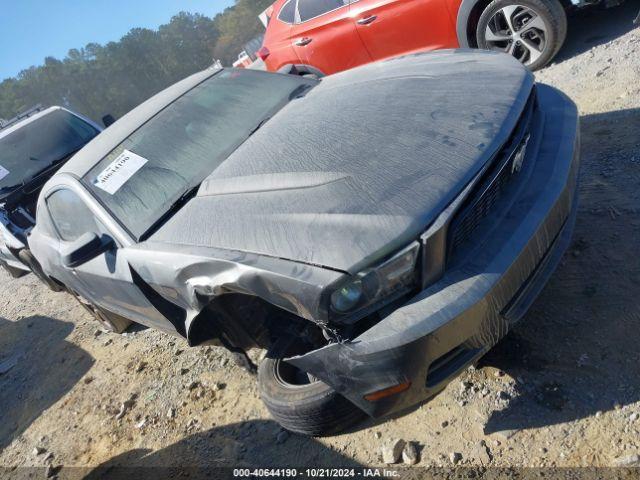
(15, 223)
(238, 299)
(243, 300)
(17, 220)
(488, 270)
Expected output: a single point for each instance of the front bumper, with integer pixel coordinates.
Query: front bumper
(454, 321)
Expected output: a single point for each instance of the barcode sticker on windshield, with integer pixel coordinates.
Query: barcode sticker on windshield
(119, 171)
(3, 172)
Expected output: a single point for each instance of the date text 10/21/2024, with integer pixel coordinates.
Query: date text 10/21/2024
(316, 473)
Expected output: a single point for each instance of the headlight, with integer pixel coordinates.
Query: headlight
(375, 284)
(347, 296)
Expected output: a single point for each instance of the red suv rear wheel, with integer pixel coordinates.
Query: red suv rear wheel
(531, 30)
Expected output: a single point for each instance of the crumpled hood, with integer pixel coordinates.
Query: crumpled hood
(362, 164)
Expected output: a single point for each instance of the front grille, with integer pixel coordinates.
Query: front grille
(483, 198)
(481, 209)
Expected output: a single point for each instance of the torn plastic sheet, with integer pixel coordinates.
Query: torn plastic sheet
(450, 324)
(370, 197)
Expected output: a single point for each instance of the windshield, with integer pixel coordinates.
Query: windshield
(176, 149)
(36, 145)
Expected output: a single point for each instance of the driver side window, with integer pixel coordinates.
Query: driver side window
(70, 216)
(309, 9)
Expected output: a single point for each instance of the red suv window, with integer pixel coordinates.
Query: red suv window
(288, 12)
(309, 9)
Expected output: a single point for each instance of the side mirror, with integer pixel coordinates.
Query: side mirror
(85, 248)
(108, 120)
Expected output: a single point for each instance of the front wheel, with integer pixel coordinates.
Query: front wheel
(302, 403)
(532, 31)
(28, 259)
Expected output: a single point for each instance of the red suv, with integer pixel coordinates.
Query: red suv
(327, 36)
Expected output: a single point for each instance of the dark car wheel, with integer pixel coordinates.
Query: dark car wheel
(301, 403)
(27, 258)
(14, 272)
(532, 31)
(110, 322)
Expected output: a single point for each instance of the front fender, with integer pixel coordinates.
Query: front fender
(192, 277)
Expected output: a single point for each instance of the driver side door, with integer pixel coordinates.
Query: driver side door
(105, 280)
(325, 37)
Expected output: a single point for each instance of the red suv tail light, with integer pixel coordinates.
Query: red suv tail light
(263, 53)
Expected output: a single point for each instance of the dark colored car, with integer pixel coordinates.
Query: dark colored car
(33, 146)
(375, 231)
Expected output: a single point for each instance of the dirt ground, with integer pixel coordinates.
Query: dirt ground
(562, 389)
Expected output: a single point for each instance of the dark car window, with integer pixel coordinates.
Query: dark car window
(288, 12)
(309, 9)
(70, 216)
(36, 145)
(180, 146)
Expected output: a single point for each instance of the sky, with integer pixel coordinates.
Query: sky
(31, 30)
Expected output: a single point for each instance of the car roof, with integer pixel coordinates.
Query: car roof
(27, 120)
(113, 136)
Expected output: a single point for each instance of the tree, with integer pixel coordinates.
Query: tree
(114, 78)
(236, 26)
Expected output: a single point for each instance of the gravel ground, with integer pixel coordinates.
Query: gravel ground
(560, 390)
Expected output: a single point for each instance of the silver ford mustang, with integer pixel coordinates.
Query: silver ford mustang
(374, 231)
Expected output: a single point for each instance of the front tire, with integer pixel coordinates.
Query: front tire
(27, 258)
(301, 403)
(532, 31)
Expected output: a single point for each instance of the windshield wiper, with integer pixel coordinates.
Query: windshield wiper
(257, 127)
(10, 187)
(180, 202)
(49, 166)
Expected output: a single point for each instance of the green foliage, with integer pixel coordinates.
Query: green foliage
(236, 26)
(114, 78)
